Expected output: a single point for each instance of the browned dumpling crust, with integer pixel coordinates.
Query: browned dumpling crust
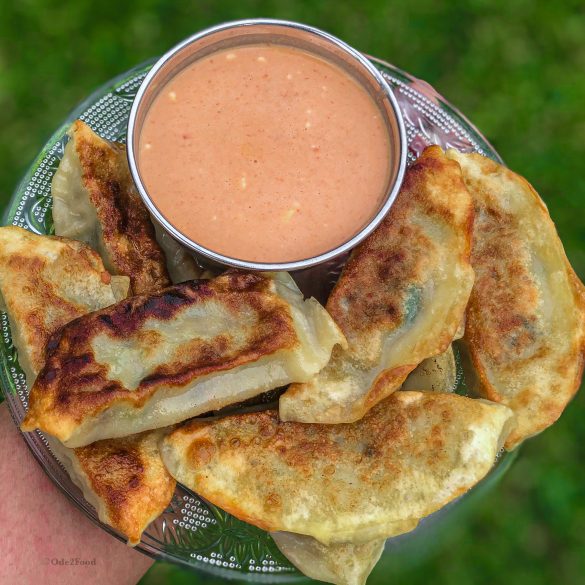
(116, 221)
(123, 479)
(400, 299)
(45, 282)
(525, 327)
(154, 360)
(407, 457)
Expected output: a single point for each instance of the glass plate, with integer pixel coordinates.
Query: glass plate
(192, 532)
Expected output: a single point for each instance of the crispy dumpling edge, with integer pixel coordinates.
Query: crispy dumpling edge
(473, 366)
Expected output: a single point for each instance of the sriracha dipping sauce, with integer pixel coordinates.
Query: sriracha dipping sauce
(265, 153)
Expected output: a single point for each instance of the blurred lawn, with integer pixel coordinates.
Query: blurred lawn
(516, 69)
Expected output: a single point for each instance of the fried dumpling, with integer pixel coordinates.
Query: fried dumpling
(46, 282)
(436, 374)
(407, 457)
(180, 264)
(400, 298)
(95, 200)
(525, 328)
(123, 479)
(341, 564)
(154, 360)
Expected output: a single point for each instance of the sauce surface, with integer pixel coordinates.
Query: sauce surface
(265, 153)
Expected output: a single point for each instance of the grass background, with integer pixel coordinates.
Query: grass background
(516, 69)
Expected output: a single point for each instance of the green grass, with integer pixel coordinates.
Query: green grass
(514, 68)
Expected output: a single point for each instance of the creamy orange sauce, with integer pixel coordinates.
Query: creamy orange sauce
(265, 153)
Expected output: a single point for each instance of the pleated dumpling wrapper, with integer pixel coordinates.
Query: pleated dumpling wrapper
(95, 200)
(151, 361)
(348, 483)
(341, 564)
(46, 282)
(525, 324)
(400, 298)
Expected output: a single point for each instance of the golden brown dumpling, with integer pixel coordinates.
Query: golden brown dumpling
(154, 360)
(400, 299)
(45, 283)
(123, 479)
(95, 200)
(349, 483)
(525, 327)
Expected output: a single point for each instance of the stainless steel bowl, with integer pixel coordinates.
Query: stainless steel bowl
(309, 39)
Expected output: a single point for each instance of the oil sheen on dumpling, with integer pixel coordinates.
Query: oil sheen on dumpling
(400, 299)
(95, 200)
(436, 374)
(45, 283)
(154, 360)
(341, 564)
(525, 327)
(407, 457)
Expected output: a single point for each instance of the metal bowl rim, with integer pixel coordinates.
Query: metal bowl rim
(216, 257)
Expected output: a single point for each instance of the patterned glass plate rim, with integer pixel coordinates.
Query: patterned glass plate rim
(192, 532)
